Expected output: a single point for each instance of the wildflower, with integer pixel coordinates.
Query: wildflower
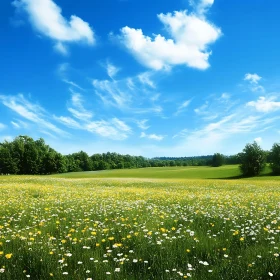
(2, 270)
(117, 269)
(8, 256)
(270, 274)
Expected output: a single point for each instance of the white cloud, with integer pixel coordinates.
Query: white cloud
(145, 79)
(258, 140)
(121, 125)
(71, 83)
(106, 129)
(265, 105)
(201, 110)
(77, 109)
(2, 126)
(190, 35)
(67, 121)
(46, 18)
(183, 106)
(32, 112)
(142, 124)
(252, 78)
(201, 6)
(112, 70)
(152, 136)
(59, 47)
(110, 93)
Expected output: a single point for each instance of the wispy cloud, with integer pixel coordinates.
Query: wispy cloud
(76, 107)
(71, 83)
(46, 17)
(31, 112)
(83, 119)
(182, 107)
(112, 70)
(190, 35)
(145, 79)
(142, 124)
(152, 136)
(136, 94)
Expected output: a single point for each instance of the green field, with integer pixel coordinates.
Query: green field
(155, 223)
(190, 172)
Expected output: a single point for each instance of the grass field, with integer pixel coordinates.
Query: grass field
(190, 172)
(144, 227)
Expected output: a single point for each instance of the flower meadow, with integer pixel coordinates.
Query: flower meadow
(57, 228)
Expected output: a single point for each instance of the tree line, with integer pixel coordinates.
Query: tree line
(25, 155)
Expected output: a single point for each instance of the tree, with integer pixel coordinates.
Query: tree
(275, 158)
(253, 160)
(218, 160)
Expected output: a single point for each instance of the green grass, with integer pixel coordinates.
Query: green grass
(191, 172)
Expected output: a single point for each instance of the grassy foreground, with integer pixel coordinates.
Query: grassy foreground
(62, 228)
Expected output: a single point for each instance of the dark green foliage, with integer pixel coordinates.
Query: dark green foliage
(25, 156)
(275, 159)
(218, 160)
(253, 160)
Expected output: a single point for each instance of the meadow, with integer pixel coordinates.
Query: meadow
(79, 226)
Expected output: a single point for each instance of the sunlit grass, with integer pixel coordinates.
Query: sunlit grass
(57, 228)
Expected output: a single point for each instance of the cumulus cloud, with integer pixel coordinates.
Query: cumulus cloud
(265, 105)
(190, 34)
(46, 17)
(252, 78)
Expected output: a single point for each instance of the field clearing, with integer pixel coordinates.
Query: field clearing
(140, 228)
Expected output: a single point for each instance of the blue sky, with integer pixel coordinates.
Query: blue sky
(139, 77)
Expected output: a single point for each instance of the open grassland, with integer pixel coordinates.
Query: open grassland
(190, 172)
(63, 228)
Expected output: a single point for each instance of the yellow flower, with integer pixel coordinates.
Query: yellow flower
(8, 256)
